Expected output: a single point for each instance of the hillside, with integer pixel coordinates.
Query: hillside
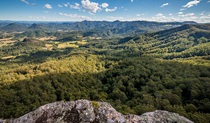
(36, 27)
(165, 70)
(182, 42)
(14, 27)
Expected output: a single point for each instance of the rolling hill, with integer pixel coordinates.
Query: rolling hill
(14, 27)
(180, 42)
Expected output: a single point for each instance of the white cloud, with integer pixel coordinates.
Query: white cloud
(165, 4)
(104, 5)
(75, 6)
(180, 13)
(59, 5)
(159, 15)
(202, 13)
(75, 16)
(37, 17)
(187, 15)
(131, 0)
(205, 17)
(138, 15)
(111, 10)
(65, 4)
(208, 1)
(113, 18)
(92, 7)
(182, 9)
(48, 6)
(26, 2)
(191, 3)
(200, 18)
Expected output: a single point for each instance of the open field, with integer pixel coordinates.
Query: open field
(71, 44)
(67, 45)
(46, 38)
(5, 42)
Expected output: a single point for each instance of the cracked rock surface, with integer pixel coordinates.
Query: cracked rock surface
(84, 111)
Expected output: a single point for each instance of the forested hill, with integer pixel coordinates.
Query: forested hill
(14, 27)
(180, 42)
(136, 74)
(94, 28)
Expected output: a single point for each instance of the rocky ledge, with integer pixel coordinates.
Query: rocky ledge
(84, 111)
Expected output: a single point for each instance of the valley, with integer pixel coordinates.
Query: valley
(136, 71)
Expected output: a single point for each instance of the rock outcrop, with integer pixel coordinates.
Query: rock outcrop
(84, 111)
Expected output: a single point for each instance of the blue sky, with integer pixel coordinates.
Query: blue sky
(124, 10)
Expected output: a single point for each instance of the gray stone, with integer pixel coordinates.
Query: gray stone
(84, 111)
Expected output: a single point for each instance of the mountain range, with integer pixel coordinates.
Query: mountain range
(94, 28)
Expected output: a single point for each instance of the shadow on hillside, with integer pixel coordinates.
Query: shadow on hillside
(39, 56)
(26, 95)
(129, 84)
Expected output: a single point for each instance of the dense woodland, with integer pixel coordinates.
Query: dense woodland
(166, 70)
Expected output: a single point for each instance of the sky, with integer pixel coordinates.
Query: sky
(106, 10)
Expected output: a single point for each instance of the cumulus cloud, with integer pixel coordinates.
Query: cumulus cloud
(158, 17)
(165, 4)
(179, 13)
(48, 6)
(92, 7)
(104, 5)
(76, 16)
(191, 4)
(111, 10)
(179, 17)
(75, 6)
(65, 4)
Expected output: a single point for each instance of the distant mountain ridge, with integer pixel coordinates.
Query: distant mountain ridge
(36, 27)
(14, 27)
(99, 28)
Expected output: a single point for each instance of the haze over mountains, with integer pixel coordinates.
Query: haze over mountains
(100, 28)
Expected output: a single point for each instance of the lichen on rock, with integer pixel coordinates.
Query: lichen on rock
(84, 111)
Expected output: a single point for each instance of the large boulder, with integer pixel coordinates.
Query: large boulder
(84, 111)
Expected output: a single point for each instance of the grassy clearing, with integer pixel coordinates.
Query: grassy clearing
(6, 42)
(49, 46)
(71, 44)
(81, 42)
(67, 45)
(46, 38)
(198, 60)
(8, 57)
